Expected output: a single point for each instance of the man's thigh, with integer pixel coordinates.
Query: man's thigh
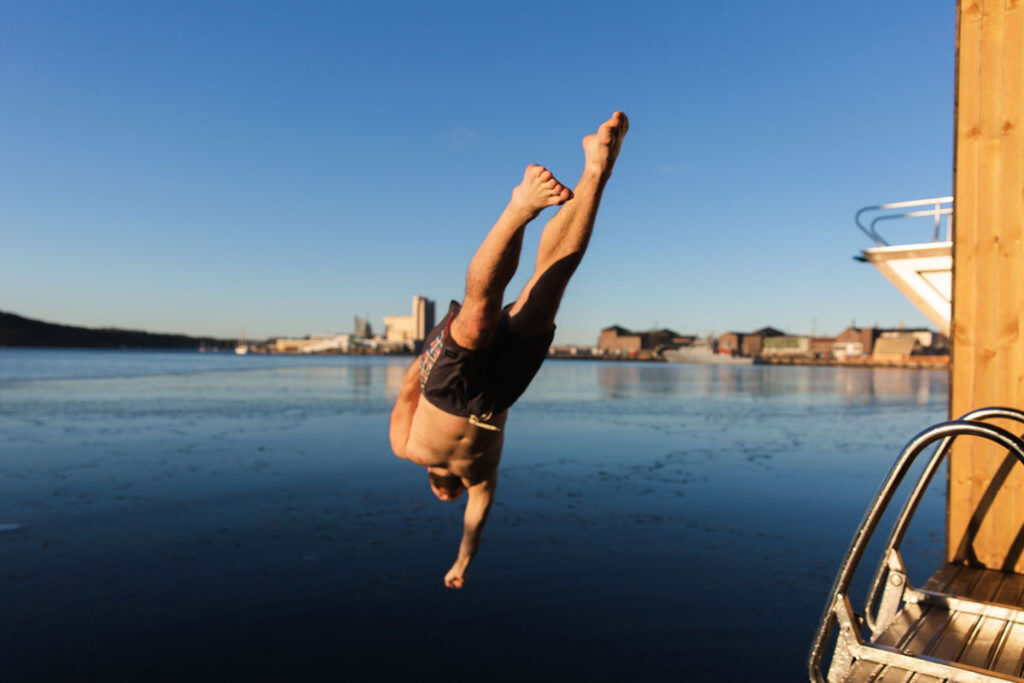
(516, 358)
(533, 313)
(474, 324)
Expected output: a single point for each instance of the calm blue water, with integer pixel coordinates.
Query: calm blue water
(170, 516)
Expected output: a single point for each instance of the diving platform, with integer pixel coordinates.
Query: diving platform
(923, 272)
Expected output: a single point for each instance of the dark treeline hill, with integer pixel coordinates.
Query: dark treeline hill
(18, 331)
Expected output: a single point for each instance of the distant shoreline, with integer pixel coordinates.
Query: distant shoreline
(939, 362)
(18, 331)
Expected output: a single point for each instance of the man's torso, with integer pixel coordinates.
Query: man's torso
(440, 439)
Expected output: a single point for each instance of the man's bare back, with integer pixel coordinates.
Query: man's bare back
(453, 404)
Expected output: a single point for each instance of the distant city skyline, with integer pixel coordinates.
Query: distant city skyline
(404, 325)
(281, 169)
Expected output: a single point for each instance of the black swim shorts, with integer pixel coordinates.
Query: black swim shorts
(479, 383)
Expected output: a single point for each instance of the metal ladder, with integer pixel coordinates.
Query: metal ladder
(860, 647)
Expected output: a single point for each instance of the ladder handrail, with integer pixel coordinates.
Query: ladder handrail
(877, 507)
(938, 210)
(902, 523)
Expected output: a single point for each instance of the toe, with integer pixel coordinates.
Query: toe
(620, 123)
(545, 175)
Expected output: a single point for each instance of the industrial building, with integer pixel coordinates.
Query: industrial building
(410, 329)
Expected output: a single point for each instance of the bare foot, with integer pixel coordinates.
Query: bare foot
(539, 189)
(602, 148)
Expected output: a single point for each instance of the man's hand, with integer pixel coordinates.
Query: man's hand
(455, 578)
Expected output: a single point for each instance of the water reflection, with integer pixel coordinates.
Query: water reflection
(621, 380)
(393, 379)
(866, 385)
(858, 386)
(362, 378)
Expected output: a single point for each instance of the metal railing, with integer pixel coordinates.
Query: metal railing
(899, 529)
(939, 207)
(838, 608)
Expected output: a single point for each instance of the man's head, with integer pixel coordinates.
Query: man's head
(445, 485)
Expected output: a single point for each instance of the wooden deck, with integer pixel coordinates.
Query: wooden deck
(974, 617)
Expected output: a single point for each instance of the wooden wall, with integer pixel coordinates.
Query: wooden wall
(985, 527)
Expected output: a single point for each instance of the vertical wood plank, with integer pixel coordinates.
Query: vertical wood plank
(985, 278)
(988, 275)
(962, 326)
(1011, 332)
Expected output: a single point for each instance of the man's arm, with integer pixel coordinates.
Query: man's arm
(481, 497)
(405, 409)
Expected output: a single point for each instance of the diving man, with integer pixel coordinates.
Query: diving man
(454, 399)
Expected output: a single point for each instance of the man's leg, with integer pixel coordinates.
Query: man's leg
(496, 260)
(566, 235)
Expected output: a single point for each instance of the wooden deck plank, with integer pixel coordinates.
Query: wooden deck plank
(980, 649)
(965, 581)
(868, 672)
(1011, 590)
(905, 623)
(921, 678)
(950, 642)
(987, 585)
(863, 671)
(978, 583)
(942, 577)
(929, 631)
(1009, 657)
(969, 638)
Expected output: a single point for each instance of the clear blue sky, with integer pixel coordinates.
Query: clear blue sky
(282, 167)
